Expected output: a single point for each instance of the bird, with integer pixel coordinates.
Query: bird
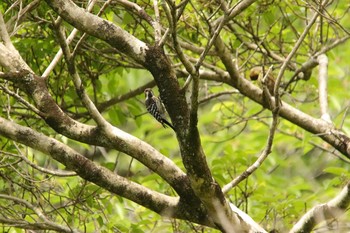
(155, 107)
(257, 73)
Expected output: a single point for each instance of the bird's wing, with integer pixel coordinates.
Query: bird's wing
(160, 106)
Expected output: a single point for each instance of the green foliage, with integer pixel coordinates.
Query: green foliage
(300, 172)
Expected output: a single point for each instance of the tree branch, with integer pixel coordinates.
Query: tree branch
(100, 28)
(322, 87)
(319, 127)
(42, 220)
(9, 56)
(90, 106)
(88, 170)
(259, 161)
(36, 88)
(320, 213)
(41, 169)
(70, 38)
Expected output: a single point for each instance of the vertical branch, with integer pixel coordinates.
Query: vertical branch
(4, 34)
(171, 16)
(9, 56)
(322, 86)
(214, 35)
(156, 23)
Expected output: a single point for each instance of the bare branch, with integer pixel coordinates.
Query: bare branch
(260, 160)
(101, 122)
(322, 212)
(41, 216)
(290, 55)
(10, 59)
(37, 167)
(103, 106)
(70, 38)
(100, 28)
(171, 16)
(307, 66)
(136, 9)
(156, 25)
(21, 100)
(216, 95)
(4, 35)
(13, 23)
(88, 170)
(322, 87)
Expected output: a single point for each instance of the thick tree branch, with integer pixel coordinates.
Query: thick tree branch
(36, 88)
(101, 176)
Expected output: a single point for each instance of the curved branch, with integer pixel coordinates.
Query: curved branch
(164, 205)
(9, 56)
(114, 138)
(260, 160)
(137, 10)
(59, 54)
(90, 171)
(320, 213)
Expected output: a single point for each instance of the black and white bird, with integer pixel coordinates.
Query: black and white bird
(156, 108)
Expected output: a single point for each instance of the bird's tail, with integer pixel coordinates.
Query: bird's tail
(165, 122)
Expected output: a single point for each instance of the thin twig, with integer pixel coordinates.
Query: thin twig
(49, 224)
(214, 96)
(70, 38)
(259, 161)
(22, 101)
(289, 58)
(35, 166)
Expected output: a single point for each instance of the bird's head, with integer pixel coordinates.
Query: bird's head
(148, 93)
(255, 72)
